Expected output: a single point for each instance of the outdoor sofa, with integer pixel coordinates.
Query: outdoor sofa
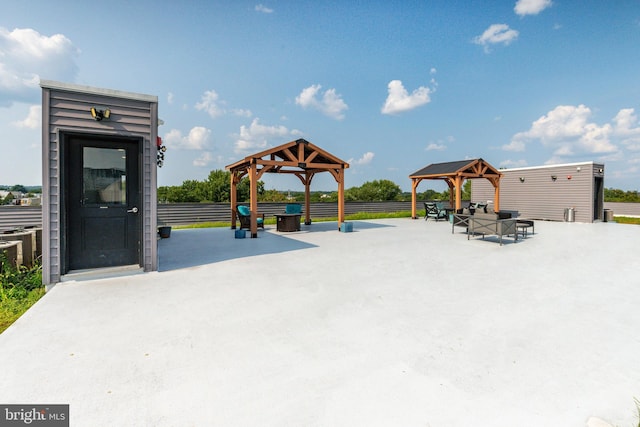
(492, 224)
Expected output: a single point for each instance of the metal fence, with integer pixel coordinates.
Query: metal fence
(192, 213)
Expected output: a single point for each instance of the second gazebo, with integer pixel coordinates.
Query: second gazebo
(454, 174)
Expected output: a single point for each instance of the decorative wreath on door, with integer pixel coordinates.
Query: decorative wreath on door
(161, 150)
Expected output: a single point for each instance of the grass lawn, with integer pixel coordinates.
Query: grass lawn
(12, 308)
(626, 220)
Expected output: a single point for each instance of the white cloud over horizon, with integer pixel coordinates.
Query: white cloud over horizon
(257, 136)
(211, 103)
(364, 160)
(329, 104)
(531, 7)
(569, 131)
(33, 119)
(26, 57)
(627, 128)
(197, 139)
(398, 98)
(496, 34)
(433, 146)
(262, 8)
(204, 160)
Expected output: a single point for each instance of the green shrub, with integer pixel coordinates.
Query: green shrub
(20, 288)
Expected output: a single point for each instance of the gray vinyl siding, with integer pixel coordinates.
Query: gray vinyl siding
(539, 197)
(65, 109)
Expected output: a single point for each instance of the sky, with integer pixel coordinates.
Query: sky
(389, 87)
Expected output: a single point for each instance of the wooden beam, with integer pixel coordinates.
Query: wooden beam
(277, 163)
(264, 169)
(310, 157)
(290, 155)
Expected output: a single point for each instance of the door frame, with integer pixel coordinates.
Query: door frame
(65, 138)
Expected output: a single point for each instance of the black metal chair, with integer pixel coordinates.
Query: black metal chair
(432, 210)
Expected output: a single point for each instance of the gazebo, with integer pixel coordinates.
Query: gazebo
(454, 174)
(300, 158)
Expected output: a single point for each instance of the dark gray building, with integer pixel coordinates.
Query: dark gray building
(545, 192)
(99, 149)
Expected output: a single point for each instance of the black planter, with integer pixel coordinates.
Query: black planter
(164, 232)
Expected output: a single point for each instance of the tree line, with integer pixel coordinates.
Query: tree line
(217, 188)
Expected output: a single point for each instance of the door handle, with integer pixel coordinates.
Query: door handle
(133, 210)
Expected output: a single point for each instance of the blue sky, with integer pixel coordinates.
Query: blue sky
(388, 86)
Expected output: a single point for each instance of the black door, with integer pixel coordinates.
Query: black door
(103, 210)
(598, 196)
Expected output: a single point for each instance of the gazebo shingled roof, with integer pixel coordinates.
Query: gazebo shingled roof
(454, 174)
(300, 158)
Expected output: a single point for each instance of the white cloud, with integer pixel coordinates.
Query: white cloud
(399, 99)
(205, 159)
(241, 112)
(436, 147)
(33, 120)
(198, 139)
(513, 163)
(514, 145)
(364, 160)
(331, 103)
(170, 98)
(210, 103)
(496, 34)
(256, 136)
(214, 106)
(531, 7)
(262, 8)
(26, 56)
(567, 130)
(626, 127)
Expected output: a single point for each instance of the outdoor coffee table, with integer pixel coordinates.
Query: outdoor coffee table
(288, 222)
(523, 227)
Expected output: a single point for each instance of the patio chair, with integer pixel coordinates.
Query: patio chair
(244, 215)
(434, 210)
(293, 209)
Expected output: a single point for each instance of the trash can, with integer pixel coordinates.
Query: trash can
(569, 214)
(608, 215)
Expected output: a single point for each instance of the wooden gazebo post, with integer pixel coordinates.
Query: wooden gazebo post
(307, 198)
(340, 179)
(234, 198)
(253, 196)
(414, 197)
(458, 185)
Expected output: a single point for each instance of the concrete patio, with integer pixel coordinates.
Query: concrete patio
(399, 323)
